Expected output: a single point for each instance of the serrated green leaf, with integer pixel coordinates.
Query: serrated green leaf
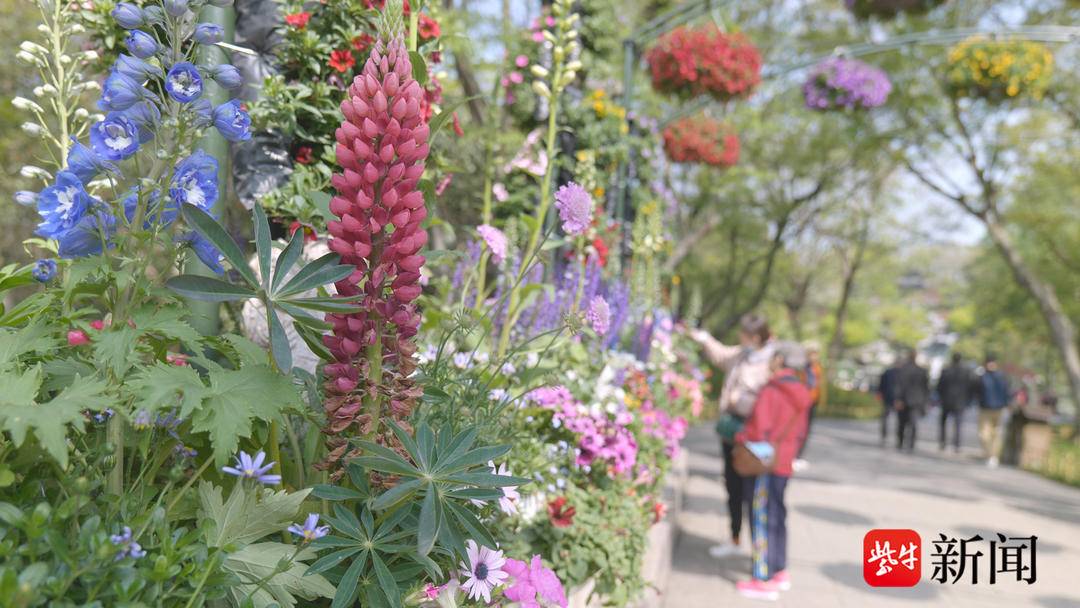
(164, 386)
(245, 516)
(234, 399)
(259, 562)
(115, 348)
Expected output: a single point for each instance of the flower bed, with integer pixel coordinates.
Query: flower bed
(701, 140)
(688, 62)
(865, 9)
(999, 69)
(845, 84)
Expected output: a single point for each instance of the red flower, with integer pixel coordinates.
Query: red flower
(701, 140)
(705, 60)
(602, 251)
(362, 42)
(659, 509)
(177, 359)
(561, 516)
(342, 60)
(428, 28)
(76, 337)
(457, 126)
(298, 20)
(436, 56)
(309, 232)
(97, 324)
(304, 155)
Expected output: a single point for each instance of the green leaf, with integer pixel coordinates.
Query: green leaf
(487, 480)
(245, 516)
(208, 289)
(279, 341)
(419, 68)
(473, 458)
(397, 494)
(329, 492)
(428, 529)
(115, 348)
(331, 560)
(408, 442)
(321, 201)
(20, 413)
(345, 521)
(385, 465)
(259, 562)
(237, 397)
(313, 339)
(386, 581)
(36, 337)
(472, 526)
(346, 590)
(322, 271)
(262, 244)
(163, 386)
(287, 259)
(345, 305)
(207, 226)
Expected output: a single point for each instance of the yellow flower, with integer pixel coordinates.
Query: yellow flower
(598, 192)
(676, 280)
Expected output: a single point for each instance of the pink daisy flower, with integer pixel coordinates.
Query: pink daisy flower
(483, 573)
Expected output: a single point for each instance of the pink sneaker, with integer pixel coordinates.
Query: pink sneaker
(782, 580)
(758, 590)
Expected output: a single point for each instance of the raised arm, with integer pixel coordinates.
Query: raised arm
(718, 353)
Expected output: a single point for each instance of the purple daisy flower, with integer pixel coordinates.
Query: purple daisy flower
(311, 529)
(484, 571)
(253, 468)
(575, 208)
(496, 241)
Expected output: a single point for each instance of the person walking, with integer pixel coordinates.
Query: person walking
(746, 369)
(887, 392)
(816, 382)
(777, 425)
(994, 397)
(912, 395)
(955, 389)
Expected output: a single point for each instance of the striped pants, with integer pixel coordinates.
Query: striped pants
(768, 529)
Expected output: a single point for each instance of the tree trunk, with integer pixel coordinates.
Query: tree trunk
(836, 344)
(1062, 330)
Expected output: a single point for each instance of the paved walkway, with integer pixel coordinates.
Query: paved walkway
(854, 485)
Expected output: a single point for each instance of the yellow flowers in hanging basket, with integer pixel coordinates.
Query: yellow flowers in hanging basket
(999, 69)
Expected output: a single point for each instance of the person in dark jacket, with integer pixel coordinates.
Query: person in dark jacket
(779, 418)
(912, 395)
(887, 391)
(994, 396)
(955, 388)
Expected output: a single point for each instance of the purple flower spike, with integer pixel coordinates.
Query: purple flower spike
(253, 468)
(311, 529)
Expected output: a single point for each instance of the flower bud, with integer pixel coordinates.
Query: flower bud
(573, 66)
(209, 33)
(30, 172)
(128, 16)
(539, 71)
(541, 89)
(28, 58)
(25, 198)
(176, 8)
(32, 129)
(33, 47)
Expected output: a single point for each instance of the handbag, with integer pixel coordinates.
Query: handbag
(747, 464)
(728, 425)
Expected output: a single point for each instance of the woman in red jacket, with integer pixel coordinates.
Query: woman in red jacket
(779, 419)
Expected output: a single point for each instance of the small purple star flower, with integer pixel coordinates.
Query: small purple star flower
(253, 468)
(311, 529)
(128, 546)
(575, 208)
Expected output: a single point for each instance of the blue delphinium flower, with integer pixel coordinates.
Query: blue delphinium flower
(154, 213)
(195, 181)
(26, 198)
(120, 92)
(128, 15)
(116, 137)
(253, 468)
(85, 163)
(209, 33)
(128, 546)
(207, 253)
(232, 121)
(183, 82)
(311, 529)
(136, 68)
(227, 76)
(44, 270)
(176, 8)
(62, 205)
(89, 236)
(204, 113)
(140, 44)
(146, 117)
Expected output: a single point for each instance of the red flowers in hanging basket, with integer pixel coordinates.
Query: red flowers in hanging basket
(701, 140)
(695, 61)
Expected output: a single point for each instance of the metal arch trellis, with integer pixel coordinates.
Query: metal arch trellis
(693, 10)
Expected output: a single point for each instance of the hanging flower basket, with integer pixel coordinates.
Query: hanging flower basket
(864, 9)
(701, 140)
(845, 84)
(999, 69)
(697, 61)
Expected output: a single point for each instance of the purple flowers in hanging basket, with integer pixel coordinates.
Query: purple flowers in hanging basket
(841, 83)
